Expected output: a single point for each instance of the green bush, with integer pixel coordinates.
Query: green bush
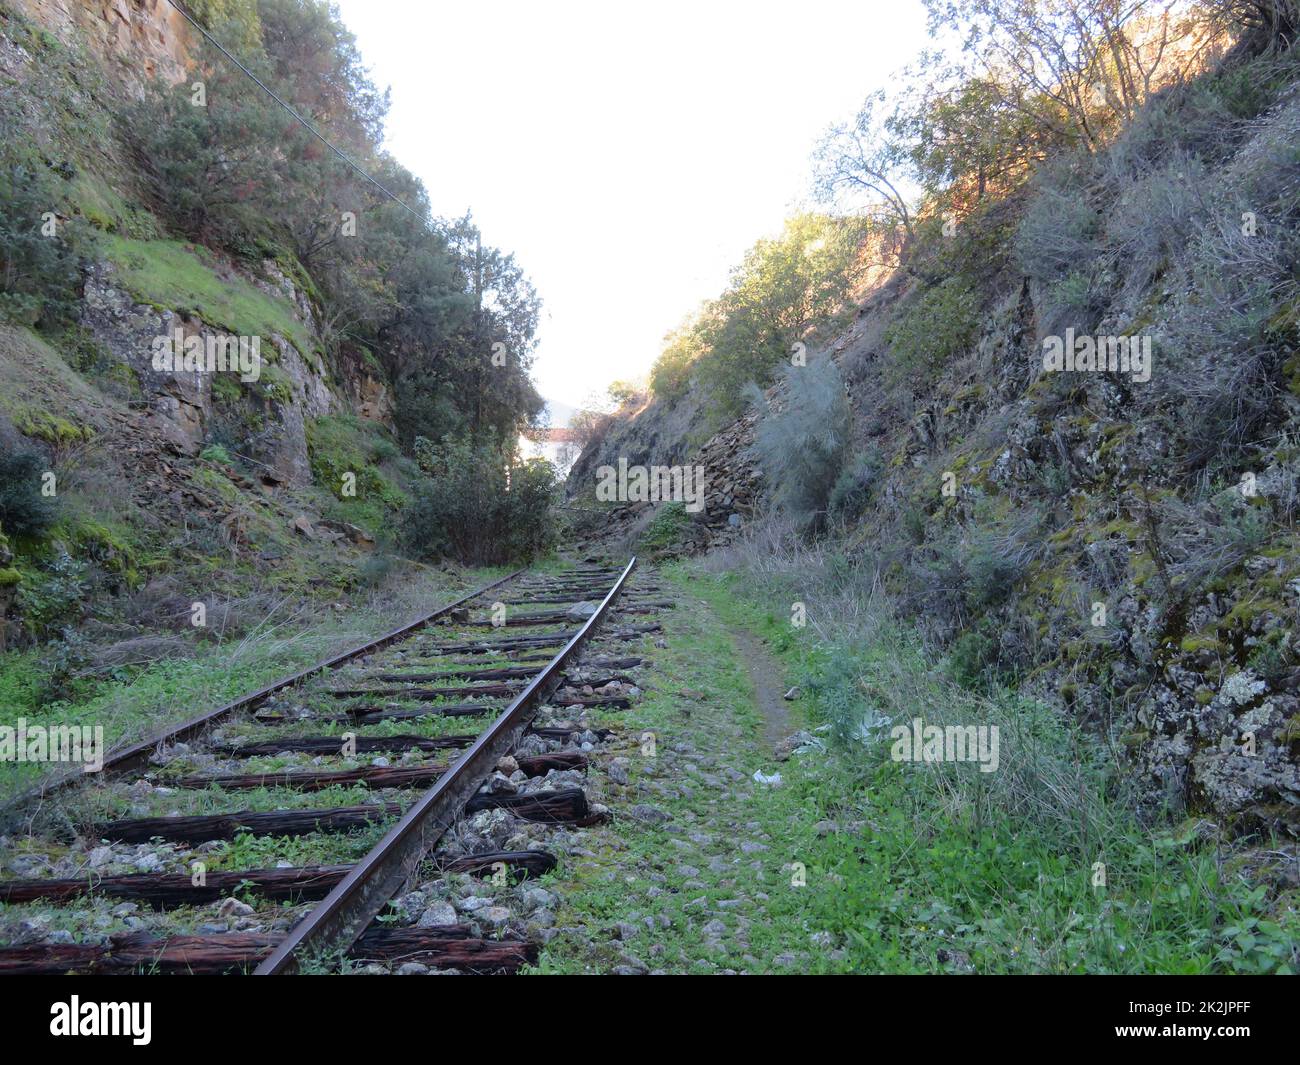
(835, 688)
(234, 22)
(343, 444)
(671, 374)
(40, 271)
(23, 510)
(215, 453)
(191, 154)
(376, 569)
(53, 598)
(479, 504)
(786, 286)
(39, 274)
(667, 526)
(935, 327)
(973, 659)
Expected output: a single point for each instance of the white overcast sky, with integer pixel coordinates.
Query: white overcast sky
(627, 154)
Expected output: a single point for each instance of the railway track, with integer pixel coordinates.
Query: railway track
(271, 835)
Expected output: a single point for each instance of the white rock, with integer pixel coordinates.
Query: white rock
(439, 915)
(232, 907)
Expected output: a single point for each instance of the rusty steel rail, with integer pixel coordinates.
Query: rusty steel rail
(341, 917)
(132, 754)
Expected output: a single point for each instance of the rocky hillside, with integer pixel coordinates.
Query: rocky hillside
(154, 200)
(1122, 543)
(138, 284)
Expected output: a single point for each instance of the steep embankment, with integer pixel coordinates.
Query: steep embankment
(1121, 542)
(159, 489)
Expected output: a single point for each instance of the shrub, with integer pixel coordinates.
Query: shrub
(997, 557)
(801, 445)
(39, 274)
(786, 286)
(973, 659)
(53, 598)
(376, 569)
(23, 510)
(1075, 301)
(854, 486)
(936, 326)
(837, 691)
(1227, 344)
(341, 444)
(215, 453)
(205, 164)
(667, 526)
(1060, 232)
(479, 504)
(1160, 209)
(236, 21)
(1204, 540)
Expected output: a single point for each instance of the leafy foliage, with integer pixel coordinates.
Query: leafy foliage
(23, 510)
(54, 597)
(784, 287)
(450, 321)
(936, 327)
(855, 485)
(341, 445)
(39, 270)
(667, 526)
(479, 503)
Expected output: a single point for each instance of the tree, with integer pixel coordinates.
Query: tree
(962, 136)
(626, 393)
(683, 347)
(785, 286)
(860, 165)
(449, 321)
(209, 166)
(322, 72)
(1075, 68)
(1258, 26)
(588, 425)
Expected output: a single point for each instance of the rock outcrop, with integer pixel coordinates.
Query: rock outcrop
(182, 406)
(150, 37)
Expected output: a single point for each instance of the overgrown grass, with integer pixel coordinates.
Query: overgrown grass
(173, 275)
(170, 691)
(1040, 866)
